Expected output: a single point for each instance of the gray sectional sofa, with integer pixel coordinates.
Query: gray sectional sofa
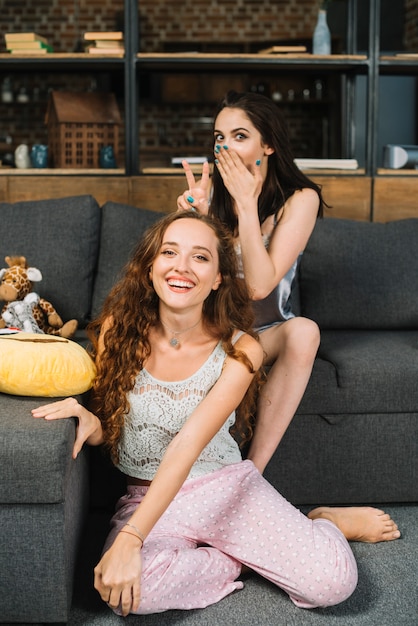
(353, 440)
(355, 436)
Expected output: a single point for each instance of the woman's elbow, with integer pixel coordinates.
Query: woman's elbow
(260, 293)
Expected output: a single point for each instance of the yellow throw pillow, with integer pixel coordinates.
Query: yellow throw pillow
(32, 364)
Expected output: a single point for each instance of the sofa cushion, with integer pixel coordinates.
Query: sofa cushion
(361, 275)
(361, 371)
(121, 228)
(359, 459)
(32, 364)
(35, 454)
(69, 230)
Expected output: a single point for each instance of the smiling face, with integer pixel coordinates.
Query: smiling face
(234, 129)
(186, 268)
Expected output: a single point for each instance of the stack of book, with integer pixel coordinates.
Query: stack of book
(107, 42)
(27, 43)
(283, 50)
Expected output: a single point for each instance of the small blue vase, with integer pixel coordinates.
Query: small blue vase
(39, 155)
(321, 42)
(107, 158)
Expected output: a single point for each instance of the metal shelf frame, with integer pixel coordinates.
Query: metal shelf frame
(133, 63)
(349, 66)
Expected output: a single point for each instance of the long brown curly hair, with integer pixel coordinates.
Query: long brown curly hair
(133, 308)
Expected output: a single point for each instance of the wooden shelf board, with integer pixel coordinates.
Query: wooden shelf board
(11, 171)
(176, 171)
(59, 55)
(214, 60)
(397, 172)
(336, 172)
(232, 56)
(405, 56)
(173, 171)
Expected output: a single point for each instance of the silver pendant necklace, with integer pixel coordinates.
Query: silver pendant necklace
(174, 342)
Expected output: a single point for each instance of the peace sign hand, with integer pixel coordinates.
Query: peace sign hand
(197, 195)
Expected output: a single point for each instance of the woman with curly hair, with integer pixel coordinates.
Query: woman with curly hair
(177, 362)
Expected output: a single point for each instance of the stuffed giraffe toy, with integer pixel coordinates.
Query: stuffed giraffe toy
(16, 284)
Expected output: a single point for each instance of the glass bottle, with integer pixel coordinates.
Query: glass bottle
(321, 42)
(6, 90)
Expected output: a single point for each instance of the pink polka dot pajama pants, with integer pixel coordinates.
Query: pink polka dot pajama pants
(233, 516)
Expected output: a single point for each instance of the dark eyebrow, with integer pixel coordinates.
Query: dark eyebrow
(234, 130)
(204, 249)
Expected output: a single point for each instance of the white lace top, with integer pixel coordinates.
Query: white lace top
(158, 410)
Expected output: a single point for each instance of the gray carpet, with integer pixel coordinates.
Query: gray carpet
(387, 592)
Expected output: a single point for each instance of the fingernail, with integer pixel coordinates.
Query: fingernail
(258, 162)
(217, 148)
(193, 209)
(225, 147)
(216, 161)
(190, 199)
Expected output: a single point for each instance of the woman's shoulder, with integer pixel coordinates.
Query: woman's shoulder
(306, 196)
(301, 207)
(250, 346)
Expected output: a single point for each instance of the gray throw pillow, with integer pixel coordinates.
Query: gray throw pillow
(122, 227)
(361, 275)
(61, 238)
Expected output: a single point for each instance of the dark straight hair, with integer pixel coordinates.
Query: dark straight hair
(283, 175)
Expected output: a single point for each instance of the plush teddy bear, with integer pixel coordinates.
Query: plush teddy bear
(33, 311)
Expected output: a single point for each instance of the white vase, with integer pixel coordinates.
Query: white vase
(321, 42)
(22, 157)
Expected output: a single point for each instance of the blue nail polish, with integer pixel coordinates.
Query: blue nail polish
(258, 162)
(190, 199)
(217, 148)
(216, 161)
(225, 147)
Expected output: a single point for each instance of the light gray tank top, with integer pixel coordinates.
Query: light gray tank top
(277, 307)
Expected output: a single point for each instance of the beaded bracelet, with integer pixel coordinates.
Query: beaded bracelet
(140, 535)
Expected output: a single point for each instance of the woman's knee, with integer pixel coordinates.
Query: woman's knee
(296, 340)
(331, 590)
(302, 335)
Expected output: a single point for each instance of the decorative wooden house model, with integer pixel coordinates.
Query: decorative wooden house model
(79, 125)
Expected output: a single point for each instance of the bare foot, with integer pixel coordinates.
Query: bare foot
(359, 523)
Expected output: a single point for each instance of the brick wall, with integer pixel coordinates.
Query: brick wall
(165, 21)
(224, 21)
(411, 25)
(61, 21)
(223, 25)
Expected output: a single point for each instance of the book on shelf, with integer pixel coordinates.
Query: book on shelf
(34, 46)
(104, 51)
(106, 42)
(13, 37)
(103, 35)
(109, 43)
(328, 164)
(191, 160)
(407, 55)
(282, 49)
(30, 52)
